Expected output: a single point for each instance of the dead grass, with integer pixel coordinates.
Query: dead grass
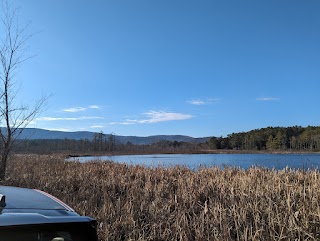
(138, 203)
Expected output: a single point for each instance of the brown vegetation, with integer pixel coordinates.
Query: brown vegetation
(138, 203)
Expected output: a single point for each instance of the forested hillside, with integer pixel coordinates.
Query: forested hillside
(271, 138)
(294, 138)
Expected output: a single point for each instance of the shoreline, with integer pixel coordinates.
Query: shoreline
(192, 153)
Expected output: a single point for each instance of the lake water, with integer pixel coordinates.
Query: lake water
(194, 161)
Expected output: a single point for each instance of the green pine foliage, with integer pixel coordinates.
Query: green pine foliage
(294, 138)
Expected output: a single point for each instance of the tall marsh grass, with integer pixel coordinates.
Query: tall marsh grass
(138, 203)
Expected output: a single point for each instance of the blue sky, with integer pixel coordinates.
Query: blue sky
(150, 67)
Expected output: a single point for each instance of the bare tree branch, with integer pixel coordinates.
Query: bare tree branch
(13, 48)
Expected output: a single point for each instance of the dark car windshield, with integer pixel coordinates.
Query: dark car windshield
(66, 232)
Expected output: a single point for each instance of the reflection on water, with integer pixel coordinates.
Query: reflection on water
(194, 161)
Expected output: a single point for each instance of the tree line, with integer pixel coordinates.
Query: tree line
(103, 144)
(294, 138)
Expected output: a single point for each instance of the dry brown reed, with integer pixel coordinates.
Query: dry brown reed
(138, 203)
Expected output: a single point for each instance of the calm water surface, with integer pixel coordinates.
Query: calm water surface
(194, 161)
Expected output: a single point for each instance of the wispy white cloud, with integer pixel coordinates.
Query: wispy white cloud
(68, 118)
(202, 102)
(160, 116)
(156, 117)
(196, 102)
(79, 109)
(74, 109)
(267, 99)
(96, 126)
(60, 129)
(126, 122)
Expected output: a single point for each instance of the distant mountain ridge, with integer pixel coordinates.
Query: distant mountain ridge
(42, 134)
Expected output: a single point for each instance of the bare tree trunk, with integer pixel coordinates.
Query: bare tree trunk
(3, 164)
(14, 117)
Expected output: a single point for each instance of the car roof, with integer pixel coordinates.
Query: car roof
(21, 206)
(24, 198)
